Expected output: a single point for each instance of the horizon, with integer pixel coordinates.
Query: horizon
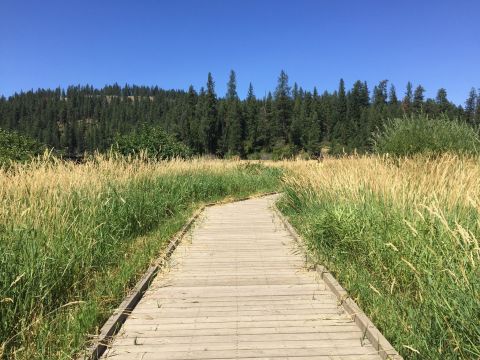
(173, 46)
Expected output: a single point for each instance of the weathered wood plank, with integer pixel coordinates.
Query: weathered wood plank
(153, 337)
(151, 352)
(328, 327)
(239, 288)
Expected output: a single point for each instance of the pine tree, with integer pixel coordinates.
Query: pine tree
(342, 101)
(380, 94)
(394, 106)
(189, 126)
(266, 124)
(283, 108)
(408, 99)
(251, 121)
(418, 99)
(340, 125)
(209, 126)
(199, 121)
(222, 128)
(470, 105)
(392, 96)
(314, 134)
(378, 112)
(317, 109)
(234, 123)
(83, 118)
(358, 100)
(442, 101)
(311, 134)
(295, 91)
(297, 126)
(477, 110)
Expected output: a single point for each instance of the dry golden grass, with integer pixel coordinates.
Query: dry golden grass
(403, 236)
(73, 237)
(448, 179)
(25, 188)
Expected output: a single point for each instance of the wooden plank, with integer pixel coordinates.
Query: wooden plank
(148, 345)
(220, 308)
(150, 353)
(142, 356)
(162, 325)
(153, 337)
(240, 289)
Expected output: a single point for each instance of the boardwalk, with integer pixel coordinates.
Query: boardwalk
(239, 289)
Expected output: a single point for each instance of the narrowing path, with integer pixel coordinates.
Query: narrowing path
(238, 288)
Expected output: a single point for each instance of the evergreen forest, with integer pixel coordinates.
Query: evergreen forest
(289, 120)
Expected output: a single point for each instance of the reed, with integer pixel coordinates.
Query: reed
(74, 238)
(402, 236)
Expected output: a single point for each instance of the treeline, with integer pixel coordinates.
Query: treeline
(83, 119)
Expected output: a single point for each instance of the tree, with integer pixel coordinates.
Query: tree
(442, 101)
(209, 122)
(392, 96)
(190, 124)
(380, 94)
(408, 99)
(340, 127)
(312, 135)
(82, 118)
(477, 110)
(297, 126)
(234, 123)
(154, 141)
(17, 147)
(394, 106)
(265, 123)
(283, 108)
(470, 105)
(358, 100)
(251, 121)
(198, 124)
(418, 98)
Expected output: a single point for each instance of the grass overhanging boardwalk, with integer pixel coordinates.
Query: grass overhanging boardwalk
(238, 288)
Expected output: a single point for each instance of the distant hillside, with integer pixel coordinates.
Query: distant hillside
(284, 122)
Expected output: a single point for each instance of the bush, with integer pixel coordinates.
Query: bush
(16, 147)
(423, 135)
(154, 142)
(283, 151)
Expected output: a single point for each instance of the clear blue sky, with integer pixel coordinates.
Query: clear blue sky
(173, 44)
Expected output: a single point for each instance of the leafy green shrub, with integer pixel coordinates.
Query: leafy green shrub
(423, 135)
(283, 151)
(16, 147)
(154, 142)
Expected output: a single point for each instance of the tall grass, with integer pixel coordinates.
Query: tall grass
(402, 237)
(73, 239)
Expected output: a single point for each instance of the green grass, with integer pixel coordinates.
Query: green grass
(413, 269)
(69, 253)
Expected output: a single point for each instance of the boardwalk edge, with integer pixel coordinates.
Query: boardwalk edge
(379, 342)
(114, 323)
